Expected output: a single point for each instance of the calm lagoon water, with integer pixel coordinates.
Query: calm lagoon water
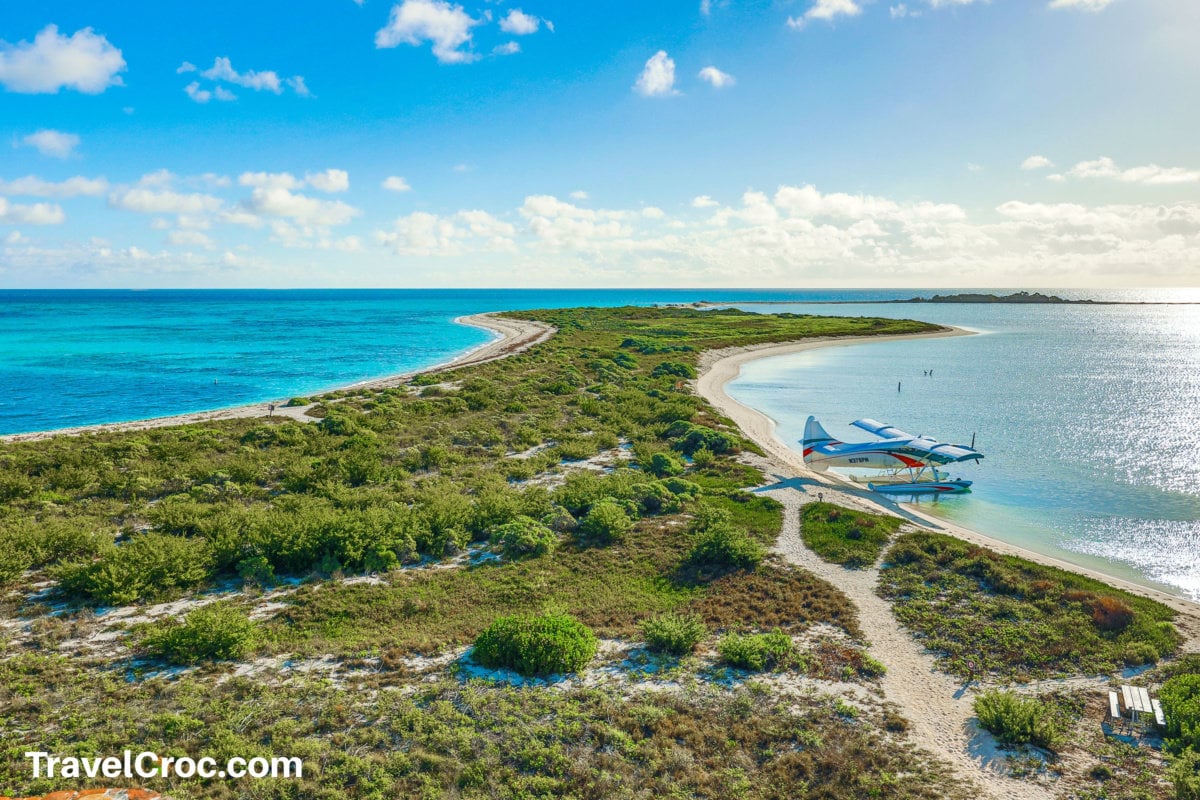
(1089, 416)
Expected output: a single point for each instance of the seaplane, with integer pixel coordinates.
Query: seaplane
(906, 464)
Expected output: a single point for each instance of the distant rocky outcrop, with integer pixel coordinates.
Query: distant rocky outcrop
(979, 297)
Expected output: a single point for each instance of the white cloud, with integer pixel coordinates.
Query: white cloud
(717, 78)
(331, 180)
(425, 234)
(578, 194)
(32, 186)
(152, 199)
(194, 91)
(394, 183)
(447, 27)
(658, 76)
(1036, 162)
(270, 180)
(973, 167)
(507, 49)
(653, 212)
(901, 10)
(703, 201)
(1082, 5)
(278, 201)
(84, 61)
(222, 70)
(299, 86)
(186, 66)
(36, 214)
(189, 239)
(15, 237)
(55, 144)
(827, 10)
(1151, 174)
(519, 23)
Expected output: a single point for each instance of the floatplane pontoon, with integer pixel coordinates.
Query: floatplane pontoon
(906, 464)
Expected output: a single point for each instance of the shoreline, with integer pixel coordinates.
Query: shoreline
(718, 367)
(512, 336)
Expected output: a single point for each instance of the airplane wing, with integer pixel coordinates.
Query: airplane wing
(881, 430)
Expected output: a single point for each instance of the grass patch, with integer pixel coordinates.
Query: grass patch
(1014, 618)
(843, 536)
(677, 634)
(1014, 719)
(541, 644)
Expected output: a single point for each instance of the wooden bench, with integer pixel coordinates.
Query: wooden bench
(1114, 709)
(1159, 718)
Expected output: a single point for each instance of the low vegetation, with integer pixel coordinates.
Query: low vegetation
(1014, 719)
(1014, 618)
(216, 632)
(758, 652)
(843, 536)
(536, 645)
(677, 634)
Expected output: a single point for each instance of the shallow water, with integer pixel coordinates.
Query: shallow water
(1089, 418)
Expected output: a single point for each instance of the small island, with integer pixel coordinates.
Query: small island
(982, 297)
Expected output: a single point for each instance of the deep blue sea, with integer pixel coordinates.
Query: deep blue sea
(1089, 416)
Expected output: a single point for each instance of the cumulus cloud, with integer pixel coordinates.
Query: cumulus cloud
(1150, 174)
(222, 71)
(827, 10)
(716, 77)
(278, 201)
(55, 144)
(658, 76)
(703, 201)
(518, 23)
(446, 27)
(394, 183)
(189, 239)
(507, 49)
(36, 214)
(578, 194)
(1082, 5)
(153, 199)
(84, 61)
(425, 234)
(331, 180)
(33, 186)
(1036, 162)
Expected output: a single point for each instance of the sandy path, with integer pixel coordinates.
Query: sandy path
(513, 336)
(936, 704)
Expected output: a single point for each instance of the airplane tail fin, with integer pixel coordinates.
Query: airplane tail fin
(814, 436)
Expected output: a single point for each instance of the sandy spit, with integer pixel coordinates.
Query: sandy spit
(937, 705)
(513, 336)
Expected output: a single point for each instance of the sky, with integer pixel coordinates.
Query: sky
(530, 143)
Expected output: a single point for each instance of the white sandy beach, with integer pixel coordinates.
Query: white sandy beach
(513, 336)
(936, 704)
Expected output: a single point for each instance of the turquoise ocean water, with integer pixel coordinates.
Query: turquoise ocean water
(1089, 416)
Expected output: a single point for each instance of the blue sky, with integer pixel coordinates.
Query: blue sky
(530, 143)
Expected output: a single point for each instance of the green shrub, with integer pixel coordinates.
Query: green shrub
(606, 523)
(1180, 698)
(1184, 773)
(842, 536)
(148, 565)
(218, 632)
(689, 438)
(524, 537)
(725, 547)
(674, 633)
(544, 644)
(1013, 719)
(663, 465)
(675, 369)
(757, 652)
(257, 570)
(655, 498)
(298, 401)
